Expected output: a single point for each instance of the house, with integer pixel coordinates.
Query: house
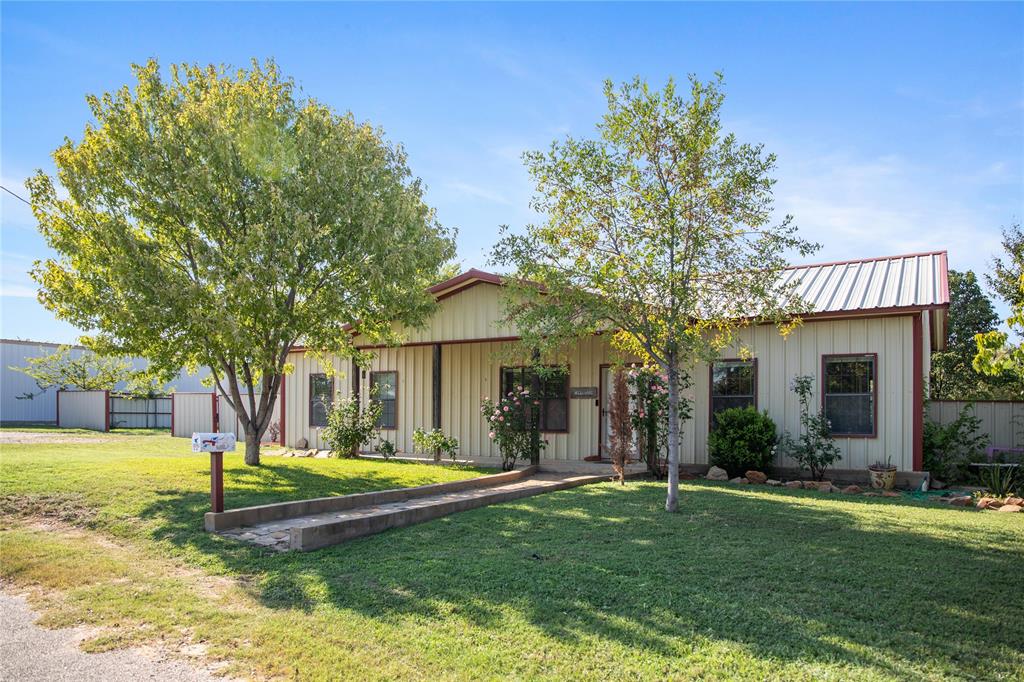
(874, 324)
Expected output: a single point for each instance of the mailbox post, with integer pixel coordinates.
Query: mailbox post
(216, 444)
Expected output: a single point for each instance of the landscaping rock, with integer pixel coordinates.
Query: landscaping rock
(756, 477)
(810, 485)
(1010, 508)
(936, 484)
(739, 479)
(1014, 500)
(872, 494)
(717, 474)
(852, 490)
(891, 493)
(960, 500)
(773, 482)
(793, 484)
(825, 487)
(984, 502)
(302, 444)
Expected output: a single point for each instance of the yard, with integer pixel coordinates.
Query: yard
(595, 582)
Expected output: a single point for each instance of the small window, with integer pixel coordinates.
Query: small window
(849, 394)
(384, 390)
(733, 384)
(554, 395)
(321, 397)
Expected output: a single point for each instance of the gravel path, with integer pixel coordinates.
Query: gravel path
(29, 653)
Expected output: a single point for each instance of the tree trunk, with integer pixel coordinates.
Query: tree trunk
(672, 500)
(252, 448)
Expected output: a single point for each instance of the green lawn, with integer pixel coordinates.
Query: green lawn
(596, 582)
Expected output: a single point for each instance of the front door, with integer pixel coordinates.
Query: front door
(606, 429)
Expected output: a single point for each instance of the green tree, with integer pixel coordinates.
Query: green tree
(953, 376)
(219, 218)
(996, 354)
(86, 372)
(1005, 275)
(658, 233)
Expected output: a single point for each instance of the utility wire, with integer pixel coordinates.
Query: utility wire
(19, 198)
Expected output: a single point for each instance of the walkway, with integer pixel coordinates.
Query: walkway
(312, 531)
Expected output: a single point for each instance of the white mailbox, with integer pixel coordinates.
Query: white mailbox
(213, 442)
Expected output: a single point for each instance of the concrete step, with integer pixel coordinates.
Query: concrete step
(313, 531)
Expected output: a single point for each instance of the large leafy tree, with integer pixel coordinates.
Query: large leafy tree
(953, 376)
(1004, 279)
(658, 232)
(217, 218)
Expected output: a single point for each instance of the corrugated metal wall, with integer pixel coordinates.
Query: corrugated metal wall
(42, 407)
(82, 410)
(193, 412)
(470, 371)
(1003, 422)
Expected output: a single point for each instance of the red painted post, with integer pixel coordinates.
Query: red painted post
(216, 482)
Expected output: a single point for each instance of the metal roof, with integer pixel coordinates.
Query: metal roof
(917, 280)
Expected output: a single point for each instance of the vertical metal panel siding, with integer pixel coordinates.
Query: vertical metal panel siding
(779, 360)
(297, 396)
(469, 371)
(1003, 422)
(83, 410)
(193, 412)
(43, 407)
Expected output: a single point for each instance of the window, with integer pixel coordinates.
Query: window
(554, 394)
(321, 397)
(848, 393)
(733, 384)
(384, 390)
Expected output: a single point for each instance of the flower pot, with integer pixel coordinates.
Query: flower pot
(883, 478)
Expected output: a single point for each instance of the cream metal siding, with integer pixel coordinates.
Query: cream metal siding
(296, 396)
(82, 410)
(470, 371)
(473, 313)
(780, 359)
(1003, 422)
(193, 413)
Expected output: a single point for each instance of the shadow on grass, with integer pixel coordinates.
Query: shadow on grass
(787, 580)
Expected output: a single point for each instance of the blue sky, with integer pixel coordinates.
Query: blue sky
(898, 128)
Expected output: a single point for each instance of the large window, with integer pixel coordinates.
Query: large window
(733, 384)
(384, 390)
(321, 397)
(849, 393)
(554, 394)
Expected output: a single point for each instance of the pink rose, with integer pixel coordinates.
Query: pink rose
(491, 434)
(501, 419)
(506, 408)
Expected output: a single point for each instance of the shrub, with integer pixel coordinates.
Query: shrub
(742, 439)
(348, 426)
(650, 416)
(386, 449)
(435, 442)
(1001, 481)
(948, 449)
(512, 422)
(814, 449)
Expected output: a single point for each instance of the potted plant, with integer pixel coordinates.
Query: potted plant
(883, 474)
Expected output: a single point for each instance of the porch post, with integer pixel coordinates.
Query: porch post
(437, 386)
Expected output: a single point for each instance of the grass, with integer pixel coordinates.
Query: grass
(595, 582)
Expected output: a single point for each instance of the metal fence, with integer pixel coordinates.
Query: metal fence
(1001, 421)
(127, 412)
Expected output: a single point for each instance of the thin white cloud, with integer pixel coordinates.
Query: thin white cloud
(477, 192)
